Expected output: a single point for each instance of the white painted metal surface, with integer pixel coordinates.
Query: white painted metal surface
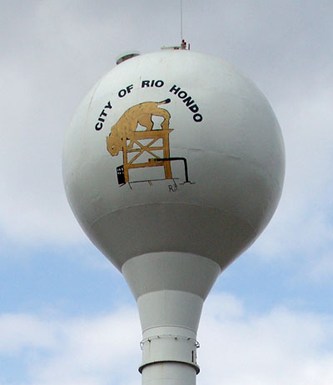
(173, 165)
(170, 289)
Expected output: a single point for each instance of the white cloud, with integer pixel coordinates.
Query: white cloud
(20, 331)
(67, 47)
(302, 227)
(281, 346)
(52, 56)
(52, 53)
(90, 351)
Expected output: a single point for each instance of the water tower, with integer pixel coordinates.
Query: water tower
(173, 165)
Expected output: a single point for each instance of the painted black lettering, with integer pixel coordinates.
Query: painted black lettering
(182, 94)
(122, 93)
(159, 83)
(102, 116)
(197, 117)
(145, 83)
(98, 126)
(194, 108)
(188, 101)
(174, 89)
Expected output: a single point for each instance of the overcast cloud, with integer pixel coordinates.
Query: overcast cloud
(279, 347)
(52, 52)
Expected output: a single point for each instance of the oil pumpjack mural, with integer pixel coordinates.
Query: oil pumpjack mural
(149, 147)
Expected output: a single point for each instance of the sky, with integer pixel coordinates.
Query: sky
(66, 315)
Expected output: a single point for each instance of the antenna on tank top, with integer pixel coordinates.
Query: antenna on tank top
(181, 21)
(183, 44)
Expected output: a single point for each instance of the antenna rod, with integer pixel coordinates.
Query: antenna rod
(181, 21)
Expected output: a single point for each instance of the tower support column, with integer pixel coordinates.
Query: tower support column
(170, 298)
(168, 373)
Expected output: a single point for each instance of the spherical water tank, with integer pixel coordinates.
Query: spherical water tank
(173, 151)
(173, 165)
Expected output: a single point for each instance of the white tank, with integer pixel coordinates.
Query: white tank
(173, 165)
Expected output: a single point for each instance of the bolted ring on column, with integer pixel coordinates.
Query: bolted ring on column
(169, 348)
